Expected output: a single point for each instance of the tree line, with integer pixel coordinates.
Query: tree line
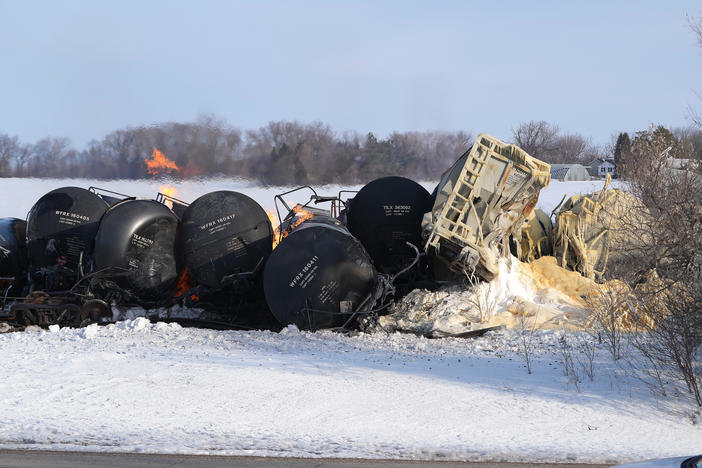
(283, 153)
(276, 154)
(546, 142)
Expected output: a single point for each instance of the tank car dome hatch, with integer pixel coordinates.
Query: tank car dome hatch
(13, 254)
(318, 276)
(225, 233)
(386, 214)
(61, 227)
(136, 243)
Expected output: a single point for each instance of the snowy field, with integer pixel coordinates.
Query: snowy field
(142, 387)
(137, 386)
(23, 193)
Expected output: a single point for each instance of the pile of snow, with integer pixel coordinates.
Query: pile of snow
(135, 386)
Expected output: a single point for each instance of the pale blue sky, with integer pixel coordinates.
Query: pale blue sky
(84, 68)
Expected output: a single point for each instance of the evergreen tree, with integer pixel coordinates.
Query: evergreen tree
(622, 149)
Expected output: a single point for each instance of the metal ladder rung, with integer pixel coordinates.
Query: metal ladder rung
(458, 195)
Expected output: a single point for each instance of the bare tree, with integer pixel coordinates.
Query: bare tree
(571, 148)
(538, 138)
(673, 242)
(565, 349)
(8, 150)
(695, 24)
(586, 357)
(526, 330)
(610, 305)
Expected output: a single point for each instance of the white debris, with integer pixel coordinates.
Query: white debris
(518, 293)
(139, 323)
(54, 328)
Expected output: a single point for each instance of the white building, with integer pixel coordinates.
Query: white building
(601, 167)
(568, 172)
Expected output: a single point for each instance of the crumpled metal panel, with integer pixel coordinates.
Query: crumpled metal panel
(482, 199)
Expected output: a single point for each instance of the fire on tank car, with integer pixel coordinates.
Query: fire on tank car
(226, 240)
(319, 275)
(226, 236)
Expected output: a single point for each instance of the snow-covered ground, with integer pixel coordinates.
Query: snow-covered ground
(142, 387)
(25, 192)
(21, 194)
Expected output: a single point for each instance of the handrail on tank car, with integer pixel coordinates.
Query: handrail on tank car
(162, 198)
(6, 293)
(96, 191)
(345, 203)
(280, 197)
(316, 198)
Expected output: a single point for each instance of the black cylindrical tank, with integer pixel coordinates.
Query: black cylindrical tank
(386, 214)
(318, 276)
(136, 243)
(13, 253)
(224, 233)
(60, 227)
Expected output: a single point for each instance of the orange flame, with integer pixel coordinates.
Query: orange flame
(159, 164)
(273, 219)
(185, 282)
(301, 215)
(170, 192)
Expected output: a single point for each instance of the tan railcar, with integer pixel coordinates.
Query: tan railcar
(482, 199)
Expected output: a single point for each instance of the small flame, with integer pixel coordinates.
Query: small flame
(301, 215)
(273, 219)
(169, 192)
(185, 282)
(158, 164)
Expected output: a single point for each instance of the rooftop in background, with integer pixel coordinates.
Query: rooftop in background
(569, 172)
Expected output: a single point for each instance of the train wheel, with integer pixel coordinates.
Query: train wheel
(95, 311)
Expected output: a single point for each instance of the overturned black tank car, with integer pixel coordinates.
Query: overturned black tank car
(319, 276)
(135, 250)
(13, 256)
(227, 238)
(61, 227)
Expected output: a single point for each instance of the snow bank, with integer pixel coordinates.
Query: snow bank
(141, 387)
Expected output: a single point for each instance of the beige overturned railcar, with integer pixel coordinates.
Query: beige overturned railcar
(481, 200)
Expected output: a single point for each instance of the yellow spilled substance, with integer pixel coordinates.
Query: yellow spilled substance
(582, 302)
(555, 298)
(595, 230)
(536, 295)
(536, 234)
